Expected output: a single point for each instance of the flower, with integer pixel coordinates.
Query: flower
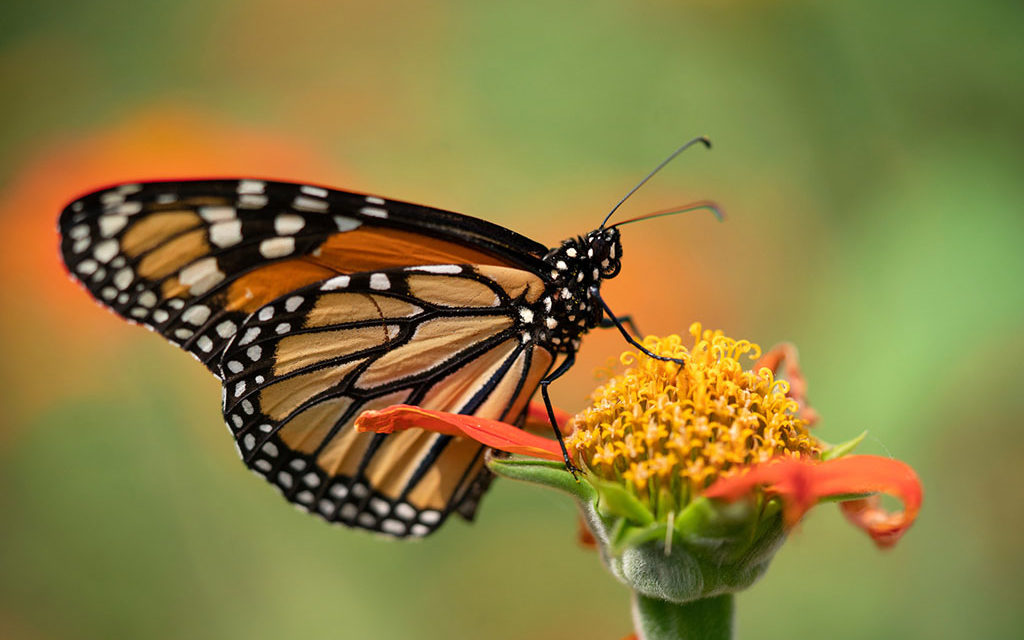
(669, 434)
(693, 473)
(667, 431)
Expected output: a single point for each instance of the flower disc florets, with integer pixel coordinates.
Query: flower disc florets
(663, 428)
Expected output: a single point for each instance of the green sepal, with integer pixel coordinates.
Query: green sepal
(715, 548)
(842, 449)
(543, 472)
(626, 536)
(613, 500)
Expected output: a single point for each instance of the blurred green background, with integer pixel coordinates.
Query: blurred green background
(868, 155)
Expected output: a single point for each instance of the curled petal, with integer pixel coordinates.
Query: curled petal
(490, 433)
(802, 483)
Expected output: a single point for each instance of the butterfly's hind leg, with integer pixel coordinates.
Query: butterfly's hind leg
(609, 323)
(616, 322)
(566, 364)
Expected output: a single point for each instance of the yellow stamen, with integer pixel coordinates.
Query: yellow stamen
(664, 427)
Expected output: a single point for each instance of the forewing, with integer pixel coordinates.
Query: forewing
(191, 260)
(445, 337)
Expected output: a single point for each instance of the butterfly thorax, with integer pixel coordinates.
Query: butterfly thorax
(570, 307)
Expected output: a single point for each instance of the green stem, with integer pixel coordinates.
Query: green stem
(706, 619)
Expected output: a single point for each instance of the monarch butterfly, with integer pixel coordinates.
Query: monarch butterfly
(312, 305)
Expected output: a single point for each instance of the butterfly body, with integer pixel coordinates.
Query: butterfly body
(312, 305)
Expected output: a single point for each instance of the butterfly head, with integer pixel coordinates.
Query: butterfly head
(604, 251)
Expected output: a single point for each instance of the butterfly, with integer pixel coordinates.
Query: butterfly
(312, 305)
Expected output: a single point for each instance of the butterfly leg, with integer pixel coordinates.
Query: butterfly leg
(625, 334)
(627, 320)
(554, 375)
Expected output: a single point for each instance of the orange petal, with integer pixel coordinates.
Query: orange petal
(537, 419)
(801, 483)
(490, 433)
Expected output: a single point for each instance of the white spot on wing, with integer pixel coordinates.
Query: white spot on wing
(288, 223)
(430, 516)
(111, 198)
(123, 278)
(105, 250)
(375, 212)
(226, 329)
(226, 234)
(129, 208)
(292, 303)
(217, 213)
(337, 282)
(251, 186)
(374, 200)
(405, 511)
(196, 314)
(380, 282)
(313, 191)
(201, 276)
(277, 247)
(437, 268)
(204, 343)
(303, 203)
(345, 223)
(252, 200)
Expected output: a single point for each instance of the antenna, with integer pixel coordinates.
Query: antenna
(702, 139)
(706, 205)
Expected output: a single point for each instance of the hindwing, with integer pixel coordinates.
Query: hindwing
(302, 368)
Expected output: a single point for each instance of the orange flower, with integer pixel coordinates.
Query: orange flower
(709, 429)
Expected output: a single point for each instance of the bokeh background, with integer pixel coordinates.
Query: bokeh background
(868, 155)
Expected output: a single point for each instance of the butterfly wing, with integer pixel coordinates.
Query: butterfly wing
(191, 260)
(445, 337)
(313, 305)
